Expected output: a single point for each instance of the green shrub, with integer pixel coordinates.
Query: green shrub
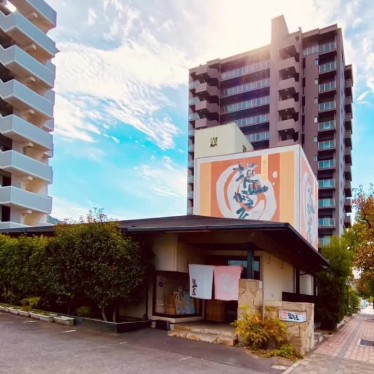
(84, 311)
(354, 301)
(261, 333)
(30, 303)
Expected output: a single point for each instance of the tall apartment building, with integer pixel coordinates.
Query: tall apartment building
(297, 90)
(26, 111)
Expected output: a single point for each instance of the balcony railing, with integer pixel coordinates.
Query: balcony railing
(327, 125)
(259, 137)
(248, 104)
(325, 68)
(244, 70)
(326, 164)
(326, 203)
(326, 222)
(324, 107)
(326, 145)
(251, 86)
(327, 86)
(327, 47)
(326, 183)
(190, 195)
(253, 120)
(190, 179)
(193, 117)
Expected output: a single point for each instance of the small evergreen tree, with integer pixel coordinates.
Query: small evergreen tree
(332, 284)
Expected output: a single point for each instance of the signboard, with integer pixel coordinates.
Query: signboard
(291, 316)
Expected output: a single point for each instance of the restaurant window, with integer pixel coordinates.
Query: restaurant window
(172, 296)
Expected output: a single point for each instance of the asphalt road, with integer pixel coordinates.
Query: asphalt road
(28, 347)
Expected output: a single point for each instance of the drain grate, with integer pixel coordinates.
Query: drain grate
(367, 343)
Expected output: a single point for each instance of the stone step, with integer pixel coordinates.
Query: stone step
(225, 331)
(204, 337)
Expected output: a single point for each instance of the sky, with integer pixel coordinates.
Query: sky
(120, 139)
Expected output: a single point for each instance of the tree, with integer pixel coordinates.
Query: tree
(360, 238)
(93, 260)
(333, 284)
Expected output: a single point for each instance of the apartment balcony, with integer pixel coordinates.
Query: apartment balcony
(288, 125)
(288, 85)
(26, 34)
(348, 121)
(4, 225)
(191, 133)
(326, 165)
(190, 179)
(348, 138)
(290, 65)
(327, 126)
(327, 47)
(192, 85)
(327, 106)
(327, 145)
(22, 131)
(207, 73)
(327, 87)
(348, 188)
(204, 122)
(18, 163)
(190, 210)
(326, 203)
(205, 90)
(289, 106)
(191, 148)
(21, 97)
(348, 172)
(18, 198)
(45, 16)
(327, 68)
(348, 83)
(190, 195)
(326, 184)
(347, 222)
(326, 223)
(192, 101)
(24, 66)
(348, 100)
(204, 107)
(348, 205)
(191, 164)
(49, 125)
(258, 137)
(348, 155)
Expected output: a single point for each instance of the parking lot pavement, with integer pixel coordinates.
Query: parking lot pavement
(30, 347)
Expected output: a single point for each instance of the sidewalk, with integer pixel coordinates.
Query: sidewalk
(344, 352)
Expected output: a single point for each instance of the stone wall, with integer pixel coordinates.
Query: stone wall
(301, 334)
(250, 295)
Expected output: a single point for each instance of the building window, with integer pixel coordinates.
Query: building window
(316, 61)
(315, 158)
(316, 81)
(315, 139)
(171, 295)
(315, 119)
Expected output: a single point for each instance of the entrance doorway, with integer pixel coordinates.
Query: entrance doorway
(227, 311)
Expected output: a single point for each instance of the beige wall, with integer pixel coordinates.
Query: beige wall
(165, 251)
(277, 276)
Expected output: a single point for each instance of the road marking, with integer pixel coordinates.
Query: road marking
(184, 358)
(122, 342)
(29, 321)
(68, 331)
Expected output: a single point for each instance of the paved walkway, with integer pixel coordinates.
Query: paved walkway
(343, 352)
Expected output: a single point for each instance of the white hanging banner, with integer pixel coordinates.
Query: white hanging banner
(201, 281)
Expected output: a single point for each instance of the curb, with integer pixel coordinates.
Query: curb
(295, 365)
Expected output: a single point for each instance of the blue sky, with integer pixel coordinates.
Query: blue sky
(121, 91)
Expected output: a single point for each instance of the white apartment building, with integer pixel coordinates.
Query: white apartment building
(26, 111)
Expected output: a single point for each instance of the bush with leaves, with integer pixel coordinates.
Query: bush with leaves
(94, 261)
(257, 332)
